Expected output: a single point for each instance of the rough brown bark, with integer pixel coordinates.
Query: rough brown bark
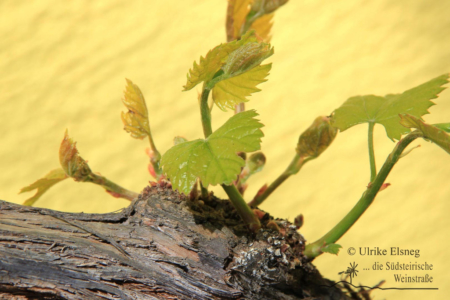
(162, 246)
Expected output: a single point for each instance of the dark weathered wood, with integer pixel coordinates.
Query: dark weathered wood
(162, 246)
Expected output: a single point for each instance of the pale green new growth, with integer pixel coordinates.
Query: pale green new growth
(214, 60)
(227, 93)
(213, 160)
(430, 132)
(385, 110)
(443, 126)
(232, 70)
(331, 248)
(43, 184)
(136, 119)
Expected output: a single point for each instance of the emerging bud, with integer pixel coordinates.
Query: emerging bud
(256, 162)
(259, 213)
(193, 195)
(246, 57)
(261, 190)
(176, 140)
(382, 188)
(316, 138)
(154, 163)
(267, 6)
(298, 221)
(73, 164)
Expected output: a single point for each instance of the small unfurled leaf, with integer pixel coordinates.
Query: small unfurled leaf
(262, 27)
(385, 110)
(228, 93)
(236, 13)
(43, 184)
(72, 163)
(232, 71)
(331, 248)
(136, 119)
(316, 138)
(214, 60)
(258, 13)
(430, 132)
(213, 160)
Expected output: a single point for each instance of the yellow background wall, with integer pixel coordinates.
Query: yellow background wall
(63, 64)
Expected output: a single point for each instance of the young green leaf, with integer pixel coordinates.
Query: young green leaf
(236, 13)
(72, 163)
(136, 119)
(43, 184)
(232, 70)
(214, 60)
(251, 14)
(260, 17)
(331, 248)
(228, 93)
(262, 27)
(430, 132)
(214, 160)
(244, 59)
(385, 110)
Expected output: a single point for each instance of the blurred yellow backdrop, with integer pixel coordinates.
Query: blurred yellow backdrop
(63, 64)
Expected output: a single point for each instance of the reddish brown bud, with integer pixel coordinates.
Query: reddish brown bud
(298, 221)
(259, 213)
(262, 190)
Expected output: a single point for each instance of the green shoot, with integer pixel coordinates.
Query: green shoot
(397, 113)
(74, 166)
(137, 124)
(311, 143)
(315, 249)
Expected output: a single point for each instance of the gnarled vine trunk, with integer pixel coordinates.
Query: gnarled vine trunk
(162, 246)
